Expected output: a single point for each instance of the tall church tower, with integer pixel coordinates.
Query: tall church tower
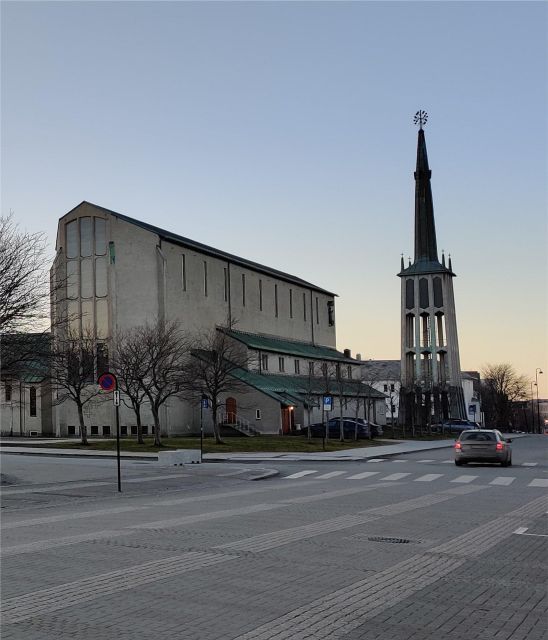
(431, 386)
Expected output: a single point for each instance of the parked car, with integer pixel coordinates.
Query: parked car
(375, 429)
(483, 445)
(454, 425)
(349, 428)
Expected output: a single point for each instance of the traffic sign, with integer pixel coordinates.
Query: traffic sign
(116, 398)
(107, 382)
(471, 408)
(327, 403)
(205, 403)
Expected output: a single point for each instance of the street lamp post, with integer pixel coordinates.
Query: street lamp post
(532, 408)
(537, 372)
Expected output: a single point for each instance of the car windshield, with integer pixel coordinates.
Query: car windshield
(479, 436)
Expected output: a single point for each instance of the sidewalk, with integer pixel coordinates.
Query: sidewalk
(360, 453)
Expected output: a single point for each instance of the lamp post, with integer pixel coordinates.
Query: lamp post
(537, 371)
(532, 409)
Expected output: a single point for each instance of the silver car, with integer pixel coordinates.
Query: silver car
(483, 445)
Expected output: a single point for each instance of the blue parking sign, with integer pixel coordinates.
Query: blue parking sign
(327, 403)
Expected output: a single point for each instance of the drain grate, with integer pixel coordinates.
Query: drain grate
(390, 540)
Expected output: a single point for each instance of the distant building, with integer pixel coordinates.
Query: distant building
(121, 272)
(430, 365)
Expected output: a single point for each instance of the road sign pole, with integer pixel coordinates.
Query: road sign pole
(201, 430)
(118, 447)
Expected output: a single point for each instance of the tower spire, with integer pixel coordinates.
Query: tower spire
(425, 229)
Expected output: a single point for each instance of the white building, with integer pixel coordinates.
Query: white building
(121, 273)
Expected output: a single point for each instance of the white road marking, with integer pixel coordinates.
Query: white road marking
(396, 476)
(538, 482)
(447, 461)
(429, 477)
(521, 530)
(331, 474)
(300, 474)
(426, 461)
(400, 460)
(365, 474)
(529, 464)
(465, 479)
(377, 460)
(503, 481)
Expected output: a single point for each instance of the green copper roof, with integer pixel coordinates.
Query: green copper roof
(289, 347)
(425, 266)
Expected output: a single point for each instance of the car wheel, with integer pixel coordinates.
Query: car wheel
(510, 462)
(458, 463)
(506, 463)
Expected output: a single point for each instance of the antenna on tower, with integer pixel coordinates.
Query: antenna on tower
(421, 118)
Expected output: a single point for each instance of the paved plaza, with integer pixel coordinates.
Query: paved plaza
(403, 547)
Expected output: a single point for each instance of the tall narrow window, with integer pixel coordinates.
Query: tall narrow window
(276, 299)
(290, 303)
(264, 362)
(72, 279)
(8, 392)
(86, 278)
(304, 307)
(243, 289)
(226, 284)
(317, 311)
(100, 277)
(260, 295)
(72, 239)
(205, 278)
(281, 364)
(311, 368)
(331, 312)
(183, 272)
(297, 367)
(100, 237)
(349, 372)
(32, 403)
(86, 237)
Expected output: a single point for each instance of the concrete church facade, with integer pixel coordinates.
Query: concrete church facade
(121, 273)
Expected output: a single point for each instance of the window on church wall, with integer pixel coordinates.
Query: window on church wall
(409, 368)
(311, 368)
(304, 307)
(101, 312)
(426, 366)
(32, 402)
(409, 293)
(7, 392)
(243, 289)
(442, 367)
(72, 279)
(264, 362)
(425, 330)
(86, 278)
(100, 237)
(281, 364)
(290, 303)
(205, 278)
(73, 316)
(423, 293)
(297, 367)
(440, 321)
(317, 311)
(73, 247)
(438, 292)
(86, 237)
(276, 300)
(183, 272)
(226, 284)
(331, 312)
(87, 318)
(100, 277)
(410, 330)
(260, 295)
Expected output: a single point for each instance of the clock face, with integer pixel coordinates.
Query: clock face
(420, 118)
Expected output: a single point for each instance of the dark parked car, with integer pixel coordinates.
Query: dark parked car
(376, 429)
(454, 425)
(483, 445)
(349, 428)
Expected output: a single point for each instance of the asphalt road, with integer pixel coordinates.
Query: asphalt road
(409, 547)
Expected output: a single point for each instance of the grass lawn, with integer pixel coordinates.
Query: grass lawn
(231, 445)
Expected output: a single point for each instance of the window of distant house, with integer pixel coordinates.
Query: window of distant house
(264, 362)
(297, 367)
(205, 278)
(32, 403)
(281, 364)
(7, 392)
(385, 388)
(260, 295)
(243, 289)
(317, 311)
(183, 272)
(276, 300)
(349, 372)
(290, 303)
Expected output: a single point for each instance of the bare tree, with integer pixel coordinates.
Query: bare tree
(217, 368)
(310, 395)
(501, 385)
(24, 291)
(130, 362)
(164, 373)
(73, 372)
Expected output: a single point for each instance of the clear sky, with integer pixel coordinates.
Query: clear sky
(283, 132)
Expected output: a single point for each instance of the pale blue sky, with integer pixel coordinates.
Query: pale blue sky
(283, 132)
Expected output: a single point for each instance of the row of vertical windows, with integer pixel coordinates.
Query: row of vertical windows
(32, 398)
(311, 367)
(330, 304)
(86, 236)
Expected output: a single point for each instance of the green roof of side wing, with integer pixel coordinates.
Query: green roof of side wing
(289, 347)
(203, 248)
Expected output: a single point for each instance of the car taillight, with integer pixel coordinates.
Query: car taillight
(458, 445)
(500, 446)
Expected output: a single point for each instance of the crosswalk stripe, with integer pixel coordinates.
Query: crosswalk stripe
(503, 480)
(465, 479)
(447, 461)
(377, 460)
(529, 464)
(400, 460)
(538, 482)
(426, 461)
(429, 477)
(300, 474)
(331, 474)
(396, 476)
(365, 474)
